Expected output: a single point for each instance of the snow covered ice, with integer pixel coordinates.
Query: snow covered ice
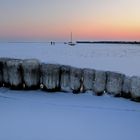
(34, 115)
(40, 115)
(115, 57)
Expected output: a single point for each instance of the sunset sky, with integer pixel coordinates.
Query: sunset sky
(55, 19)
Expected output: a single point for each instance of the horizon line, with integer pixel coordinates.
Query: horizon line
(78, 42)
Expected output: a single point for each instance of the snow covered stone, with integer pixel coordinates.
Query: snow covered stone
(75, 79)
(50, 77)
(31, 73)
(15, 73)
(88, 79)
(100, 82)
(126, 87)
(135, 88)
(4, 72)
(65, 79)
(114, 83)
(1, 72)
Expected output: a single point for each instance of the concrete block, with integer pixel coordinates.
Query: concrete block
(88, 79)
(65, 79)
(31, 73)
(15, 73)
(100, 82)
(135, 88)
(50, 77)
(4, 72)
(114, 83)
(75, 79)
(126, 87)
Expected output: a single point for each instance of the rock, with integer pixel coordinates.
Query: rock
(88, 79)
(114, 83)
(100, 82)
(1, 72)
(50, 77)
(4, 72)
(65, 79)
(15, 73)
(75, 79)
(126, 87)
(135, 88)
(31, 73)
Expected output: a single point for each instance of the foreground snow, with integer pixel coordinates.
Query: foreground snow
(37, 115)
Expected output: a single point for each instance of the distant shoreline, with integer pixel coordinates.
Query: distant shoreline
(108, 42)
(77, 42)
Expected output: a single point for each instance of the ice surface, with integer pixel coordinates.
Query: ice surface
(116, 57)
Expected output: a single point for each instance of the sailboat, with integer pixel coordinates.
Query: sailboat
(71, 43)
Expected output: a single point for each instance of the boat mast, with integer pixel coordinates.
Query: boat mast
(71, 43)
(71, 37)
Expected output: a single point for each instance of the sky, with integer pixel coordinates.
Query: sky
(55, 19)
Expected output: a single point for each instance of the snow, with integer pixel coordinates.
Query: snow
(34, 115)
(116, 57)
(40, 115)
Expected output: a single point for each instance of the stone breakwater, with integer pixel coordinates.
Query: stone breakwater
(32, 74)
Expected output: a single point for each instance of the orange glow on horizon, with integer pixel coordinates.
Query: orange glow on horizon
(85, 31)
(87, 19)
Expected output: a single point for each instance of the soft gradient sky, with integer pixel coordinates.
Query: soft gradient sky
(55, 19)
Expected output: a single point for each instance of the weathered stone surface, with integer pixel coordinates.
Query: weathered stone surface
(88, 79)
(4, 72)
(14, 73)
(75, 79)
(1, 72)
(65, 79)
(135, 88)
(114, 83)
(126, 87)
(100, 82)
(50, 76)
(31, 73)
